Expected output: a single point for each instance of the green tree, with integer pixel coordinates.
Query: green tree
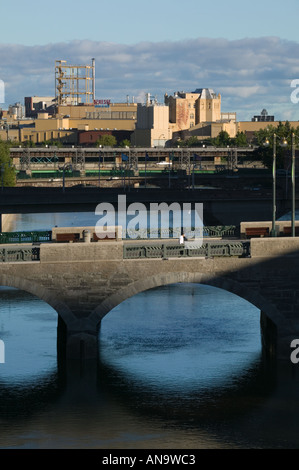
(263, 136)
(106, 141)
(222, 140)
(240, 140)
(52, 143)
(8, 176)
(125, 143)
(29, 143)
(192, 141)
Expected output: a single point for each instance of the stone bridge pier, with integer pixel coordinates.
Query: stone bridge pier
(85, 281)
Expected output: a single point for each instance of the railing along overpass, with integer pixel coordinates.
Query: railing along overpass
(83, 158)
(84, 281)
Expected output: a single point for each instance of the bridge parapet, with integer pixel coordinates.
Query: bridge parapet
(274, 247)
(203, 250)
(77, 252)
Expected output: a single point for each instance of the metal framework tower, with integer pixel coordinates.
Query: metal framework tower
(74, 84)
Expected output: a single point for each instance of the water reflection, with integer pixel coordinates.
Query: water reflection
(28, 329)
(182, 337)
(154, 375)
(184, 352)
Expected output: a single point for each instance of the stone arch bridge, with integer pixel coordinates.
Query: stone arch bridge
(84, 281)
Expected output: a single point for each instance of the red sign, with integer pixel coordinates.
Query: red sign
(101, 102)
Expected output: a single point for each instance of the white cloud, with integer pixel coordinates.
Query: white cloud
(250, 74)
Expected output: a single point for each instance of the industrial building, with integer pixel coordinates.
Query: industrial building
(75, 116)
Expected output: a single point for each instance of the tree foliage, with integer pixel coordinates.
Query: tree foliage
(263, 136)
(222, 140)
(106, 141)
(8, 176)
(125, 143)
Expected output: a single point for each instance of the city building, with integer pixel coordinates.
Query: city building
(36, 104)
(198, 114)
(250, 127)
(152, 125)
(263, 117)
(189, 109)
(69, 121)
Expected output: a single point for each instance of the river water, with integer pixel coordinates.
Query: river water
(179, 367)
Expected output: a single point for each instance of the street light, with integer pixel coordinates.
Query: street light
(283, 144)
(293, 184)
(101, 159)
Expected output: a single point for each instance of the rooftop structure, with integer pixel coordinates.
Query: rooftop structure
(263, 117)
(74, 84)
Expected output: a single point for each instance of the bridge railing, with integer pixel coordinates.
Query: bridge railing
(25, 237)
(238, 249)
(14, 254)
(175, 232)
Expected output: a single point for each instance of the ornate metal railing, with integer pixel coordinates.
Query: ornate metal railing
(208, 250)
(206, 231)
(16, 254)
(25, 237)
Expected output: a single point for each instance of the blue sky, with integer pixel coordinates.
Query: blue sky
(36, 22)
(248, 52)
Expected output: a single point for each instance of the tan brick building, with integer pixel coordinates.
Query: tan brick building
(186, 110)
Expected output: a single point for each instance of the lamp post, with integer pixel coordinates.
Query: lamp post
(101, 159)
(284, 144)
(273, 233)
(293, 186)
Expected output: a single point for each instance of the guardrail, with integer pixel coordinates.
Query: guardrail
(207, 250)
(17, 254)
(25, 237)
(140, 234)
(206, 231)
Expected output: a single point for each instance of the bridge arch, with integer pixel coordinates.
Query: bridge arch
(41, 292)
(250, 294)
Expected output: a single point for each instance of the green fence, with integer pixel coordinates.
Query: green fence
(17, 254)
(219, 231)
(207, 250)
(25, 237)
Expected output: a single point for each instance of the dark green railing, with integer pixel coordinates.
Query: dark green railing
(208, 250)
(25, 237)
(17, 254)
(206, 231)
